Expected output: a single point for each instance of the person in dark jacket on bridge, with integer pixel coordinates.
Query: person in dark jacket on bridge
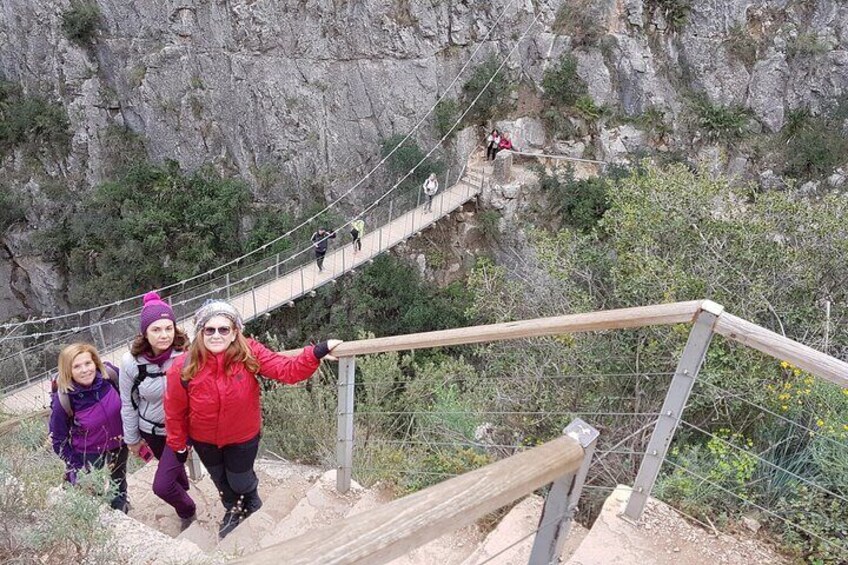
(212, 402)
(86, 431)
(320, 240)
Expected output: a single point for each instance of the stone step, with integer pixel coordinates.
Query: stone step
(320, 506)
(511, 542)
(278, 500)
(140, 544)
(149, 509)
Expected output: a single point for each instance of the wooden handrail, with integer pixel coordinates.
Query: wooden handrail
(783, 348)
(662, 314)
(392, 530)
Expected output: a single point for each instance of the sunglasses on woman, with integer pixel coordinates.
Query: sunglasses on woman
(224, 331)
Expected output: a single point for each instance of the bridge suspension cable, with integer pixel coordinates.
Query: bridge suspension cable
(309, 220)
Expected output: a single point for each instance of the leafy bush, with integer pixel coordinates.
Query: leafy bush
(675, 12)
(489, 220)
(163, 223)
(741, 46)
(806, 45)
(653, 121)
(563, 87)
(580, 202)
(80, 21)
(31, 122)
(300, 421)
(11, 212)
(581, 20)
(407, 156)
(726, 124)
(494, 101)
(447, 112)
(40, 525)
(815, 145)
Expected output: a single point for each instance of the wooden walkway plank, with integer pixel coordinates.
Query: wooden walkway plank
(299, 281)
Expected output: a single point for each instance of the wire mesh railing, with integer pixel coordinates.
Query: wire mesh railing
(395, 220)
(715, 464)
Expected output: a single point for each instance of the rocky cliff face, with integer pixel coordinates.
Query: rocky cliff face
(294, 96)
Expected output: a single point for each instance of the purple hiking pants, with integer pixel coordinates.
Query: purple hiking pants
(170, 482)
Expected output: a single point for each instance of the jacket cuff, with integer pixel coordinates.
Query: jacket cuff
(320, 350)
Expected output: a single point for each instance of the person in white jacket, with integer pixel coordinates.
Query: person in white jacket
(142, 386)
(431, 187)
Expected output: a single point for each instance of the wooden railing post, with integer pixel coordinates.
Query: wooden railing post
(672, 409)
(344, 447)
(562, 500)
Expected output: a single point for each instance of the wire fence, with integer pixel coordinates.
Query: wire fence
(716, 470)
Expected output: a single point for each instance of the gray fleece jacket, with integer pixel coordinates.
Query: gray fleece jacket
(150, 397)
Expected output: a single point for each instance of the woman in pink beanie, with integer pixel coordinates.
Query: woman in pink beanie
(142, 385)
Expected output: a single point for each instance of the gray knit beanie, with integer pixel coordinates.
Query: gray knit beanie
(212, 308)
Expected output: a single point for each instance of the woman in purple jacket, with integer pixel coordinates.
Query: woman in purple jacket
(86, 431)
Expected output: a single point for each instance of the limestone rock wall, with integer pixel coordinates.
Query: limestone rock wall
(294, 96)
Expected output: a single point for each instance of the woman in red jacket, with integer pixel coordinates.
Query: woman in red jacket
(212, 402)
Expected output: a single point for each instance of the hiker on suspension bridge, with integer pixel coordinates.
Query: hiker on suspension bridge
(142, 401)
(85, 418)
(321, 240)
(357, 228)
(212, 402)
(431, 187)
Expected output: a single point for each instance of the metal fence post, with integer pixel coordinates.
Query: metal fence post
(24, 365)
(228, 286)
(562, 500)
(277, 266)
(672, 409)
(103, 345)
(253, 294)
(344, 449)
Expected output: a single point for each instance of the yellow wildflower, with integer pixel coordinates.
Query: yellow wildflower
(820, 422)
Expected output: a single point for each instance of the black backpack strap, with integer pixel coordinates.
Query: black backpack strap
(142, 374)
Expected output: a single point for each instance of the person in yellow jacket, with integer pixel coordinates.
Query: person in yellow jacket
(357, 228)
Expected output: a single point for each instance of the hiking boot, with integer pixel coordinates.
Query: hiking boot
(232, 518)
(186, 522)
(251, 503)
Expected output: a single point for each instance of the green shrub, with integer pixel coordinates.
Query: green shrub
(741, 46)
(727, 124)
(815, 145)
(31, 123)
(406, 156)
(80, 22)
(580, 202)
(581, 20)
(300, 421)
(494, 102)
(806, 45)
(489, 220)
(166, 224)
(447, 112)
(40, 527)
(563, 87)
(653, 121)
(588, 110)
(11, 212)
(675, 12)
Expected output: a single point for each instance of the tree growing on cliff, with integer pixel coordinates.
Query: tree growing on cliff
(80, 22)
